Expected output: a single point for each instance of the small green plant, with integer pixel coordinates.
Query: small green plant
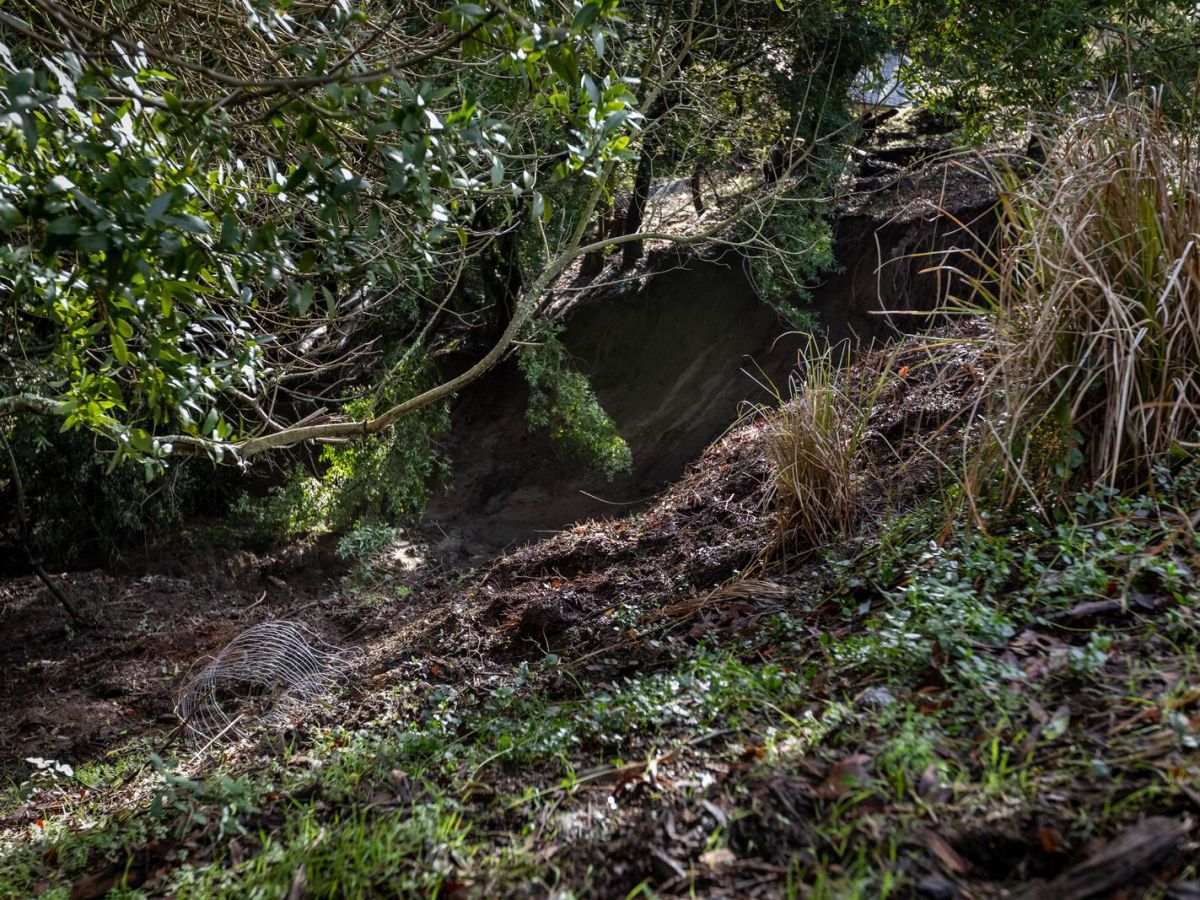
(366, 540)
(1091, 657)
(562, 401)
(220, 801)
(48, 774)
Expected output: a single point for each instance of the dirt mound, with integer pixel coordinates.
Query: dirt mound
(575, 588)
(706, 543)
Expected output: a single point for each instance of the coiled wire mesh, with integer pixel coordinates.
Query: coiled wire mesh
(266, 676)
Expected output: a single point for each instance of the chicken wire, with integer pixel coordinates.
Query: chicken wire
(266, 676)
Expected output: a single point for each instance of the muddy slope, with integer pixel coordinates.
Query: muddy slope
(679, 348)
(671, 362)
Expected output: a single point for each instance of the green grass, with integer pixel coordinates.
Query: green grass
(431, 789)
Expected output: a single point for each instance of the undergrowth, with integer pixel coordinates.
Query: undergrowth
(815, 443)
(1095, 292)
(943, 671)
(561, 400)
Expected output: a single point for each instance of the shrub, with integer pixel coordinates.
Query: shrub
(1097, 303)
(382, 478)
(85, 507)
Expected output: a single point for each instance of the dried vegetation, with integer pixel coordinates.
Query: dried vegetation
(1096, 295)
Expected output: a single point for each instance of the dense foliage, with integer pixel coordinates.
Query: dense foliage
(215, 237)
(226, 229)
(998, 62)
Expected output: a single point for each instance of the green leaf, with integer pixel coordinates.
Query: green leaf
(470, 11)
(586, 16)
(564, 64)
(614, 120)
(297, 178)
(304, 298)
(592, 91)
(158, 206)
(120, 351)
(64, 225)
(10, 216)
(187, 222)
(230, 231)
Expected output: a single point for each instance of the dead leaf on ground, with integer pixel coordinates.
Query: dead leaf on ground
(1050, 838)
(718, 859)
(846, 776)
(947, 855)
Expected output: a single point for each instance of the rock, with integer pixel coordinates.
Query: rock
(876, 698)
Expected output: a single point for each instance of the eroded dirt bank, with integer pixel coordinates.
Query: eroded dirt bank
(679, 348)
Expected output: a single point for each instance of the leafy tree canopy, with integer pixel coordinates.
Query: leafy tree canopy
(233, 228)
(203, 203)
(998, 62)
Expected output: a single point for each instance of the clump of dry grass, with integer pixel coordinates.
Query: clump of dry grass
(814, 445)
(1097, 303)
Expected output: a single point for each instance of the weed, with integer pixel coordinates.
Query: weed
(814, 444)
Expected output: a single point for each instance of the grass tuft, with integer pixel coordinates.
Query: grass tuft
(814, 444)
(1098, 303)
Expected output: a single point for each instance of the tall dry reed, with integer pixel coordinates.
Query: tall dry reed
(1096, 295)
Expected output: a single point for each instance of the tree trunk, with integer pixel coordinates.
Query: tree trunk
(697, 195)
(632, 251)
(593, 264)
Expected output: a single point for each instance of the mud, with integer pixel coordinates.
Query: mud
(68, 693)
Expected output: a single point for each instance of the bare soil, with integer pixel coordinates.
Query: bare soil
(71, 693)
